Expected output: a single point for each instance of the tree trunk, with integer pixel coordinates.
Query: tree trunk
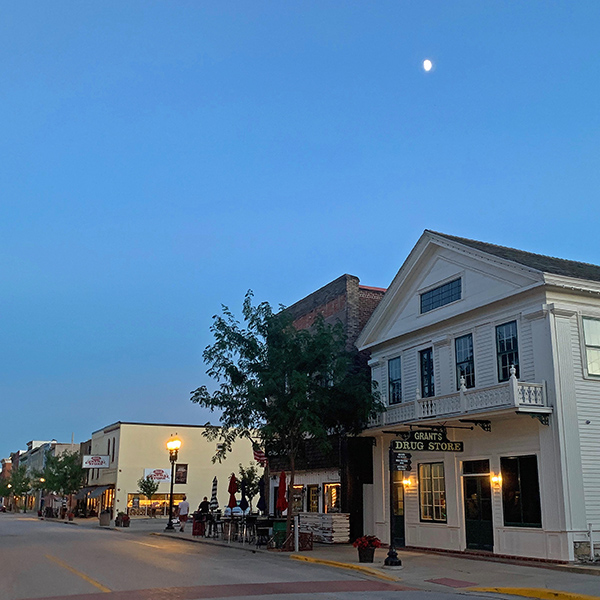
(290, 495)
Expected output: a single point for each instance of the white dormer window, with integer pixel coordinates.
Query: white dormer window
(441, 295)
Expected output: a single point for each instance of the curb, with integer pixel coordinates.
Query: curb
(207, 543)
(543, 594)
(341, 565)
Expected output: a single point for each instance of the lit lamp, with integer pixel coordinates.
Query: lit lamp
(496, 480)
(173, 446)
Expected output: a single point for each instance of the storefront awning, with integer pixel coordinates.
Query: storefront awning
(82, 493)
(98, 491)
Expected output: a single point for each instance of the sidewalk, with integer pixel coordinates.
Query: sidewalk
(439, 572)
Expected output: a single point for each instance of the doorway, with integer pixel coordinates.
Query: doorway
(398, 514)
(479, 528)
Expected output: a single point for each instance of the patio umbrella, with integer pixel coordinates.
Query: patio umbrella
(282, 502)
(244, 502)
(214, 503)
(262, 503)
(232, 489)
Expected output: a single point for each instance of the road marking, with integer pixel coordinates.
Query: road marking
(145, 544)
(95, 583)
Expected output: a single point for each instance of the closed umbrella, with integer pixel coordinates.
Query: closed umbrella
(232, 489)
(214, 503)
(282, 502)
(262, 503)
(244, 502)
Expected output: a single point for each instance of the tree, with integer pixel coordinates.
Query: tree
(64, 474)
(249, 478)
(148, 487)
(283, 385)
(20, 484)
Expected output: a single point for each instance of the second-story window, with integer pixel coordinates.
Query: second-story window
(465, 364)
(113, 451)
(591, 333)
(427, 381)
(507, 349)
(395, 380)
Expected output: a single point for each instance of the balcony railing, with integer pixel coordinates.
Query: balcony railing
(514, 394)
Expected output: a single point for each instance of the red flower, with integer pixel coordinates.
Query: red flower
(367, 541)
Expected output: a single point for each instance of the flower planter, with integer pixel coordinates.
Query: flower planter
(366, 555)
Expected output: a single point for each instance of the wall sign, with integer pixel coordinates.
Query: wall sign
(94, 461)
(158, 474)
(426, 441)
(181, 472)
(400, 461)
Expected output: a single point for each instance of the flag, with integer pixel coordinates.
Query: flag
(259, 456)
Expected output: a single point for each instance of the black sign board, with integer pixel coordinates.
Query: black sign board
(425, 441)
(400, 461)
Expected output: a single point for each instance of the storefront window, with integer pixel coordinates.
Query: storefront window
(298, 499)
(139, 505)
(313, 498)
(432, 492)
(521, 492)
(332, 497)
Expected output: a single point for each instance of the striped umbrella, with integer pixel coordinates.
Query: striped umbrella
(214, 503)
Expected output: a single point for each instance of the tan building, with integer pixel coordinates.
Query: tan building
(136, 449)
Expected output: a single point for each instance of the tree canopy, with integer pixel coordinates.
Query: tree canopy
(63, 473)
(279, 385)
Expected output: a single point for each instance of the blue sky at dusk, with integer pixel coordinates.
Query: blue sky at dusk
(158, 159)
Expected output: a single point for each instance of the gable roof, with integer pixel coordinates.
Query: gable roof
(546, 264)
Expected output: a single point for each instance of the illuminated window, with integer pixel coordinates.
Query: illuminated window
(331, 497)
(313, 498)
(432, 492)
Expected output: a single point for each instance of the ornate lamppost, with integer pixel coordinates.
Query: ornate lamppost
(173, 446)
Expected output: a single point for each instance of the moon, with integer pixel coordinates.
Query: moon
(427, 65)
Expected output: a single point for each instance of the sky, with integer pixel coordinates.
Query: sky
(158, 159)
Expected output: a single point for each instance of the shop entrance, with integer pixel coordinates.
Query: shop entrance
(479, 529)
(398, 504)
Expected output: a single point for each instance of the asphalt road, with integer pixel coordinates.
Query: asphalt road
(41, 559)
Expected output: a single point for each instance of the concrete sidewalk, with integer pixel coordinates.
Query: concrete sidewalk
(423, 570)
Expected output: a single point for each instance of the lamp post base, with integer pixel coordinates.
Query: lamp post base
(392, 560)
(169, 527)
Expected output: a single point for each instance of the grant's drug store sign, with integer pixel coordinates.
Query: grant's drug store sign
(426, 441)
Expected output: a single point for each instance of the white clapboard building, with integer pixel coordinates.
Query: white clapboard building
(488, 361)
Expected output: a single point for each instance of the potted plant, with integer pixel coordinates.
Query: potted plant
(70, 516)
(366, 547)
(122, 520)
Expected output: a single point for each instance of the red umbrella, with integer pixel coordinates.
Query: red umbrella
(232, 489)
(282, 503)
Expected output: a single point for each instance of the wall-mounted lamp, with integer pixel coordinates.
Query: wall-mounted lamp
(406, 482)
(497, 480)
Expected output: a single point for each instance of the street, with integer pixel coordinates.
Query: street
(43, 559)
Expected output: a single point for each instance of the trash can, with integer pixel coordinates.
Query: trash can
(199, 524)
(105, 518)
(279, 531)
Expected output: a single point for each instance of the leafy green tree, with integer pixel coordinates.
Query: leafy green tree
(20, 484)
(283, 385)
(63, 473)
(148, 487)
(249, 477)
(4, 489)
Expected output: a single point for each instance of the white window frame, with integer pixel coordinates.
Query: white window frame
(460, 275)
(584, 345)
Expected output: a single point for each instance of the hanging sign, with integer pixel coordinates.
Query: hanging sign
(95, 462)
(426, 441)
(400, 461)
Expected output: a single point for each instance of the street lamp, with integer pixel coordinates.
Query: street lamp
(173, 446)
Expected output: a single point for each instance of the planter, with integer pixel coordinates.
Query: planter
(366, 555)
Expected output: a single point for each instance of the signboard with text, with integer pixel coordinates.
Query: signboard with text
(426, 441)
(181, 472)
(94, 461)
(158, 474)
(400, 461)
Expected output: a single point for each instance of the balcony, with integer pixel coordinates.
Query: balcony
(511, 395)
